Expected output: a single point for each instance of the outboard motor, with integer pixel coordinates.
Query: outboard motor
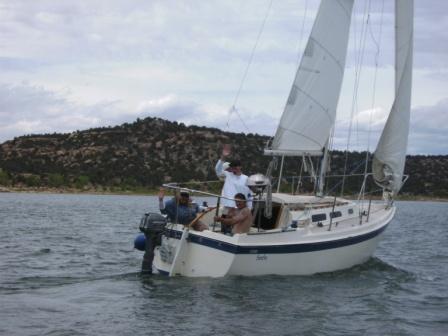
(257, 183)
(152, 222)
(152, 225)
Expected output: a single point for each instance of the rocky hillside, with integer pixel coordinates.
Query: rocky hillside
(147, 153)
(153, 151)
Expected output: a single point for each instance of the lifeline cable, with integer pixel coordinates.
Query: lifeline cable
(233, 108)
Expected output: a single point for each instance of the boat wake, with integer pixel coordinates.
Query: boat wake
(373, 268)
(40, 282)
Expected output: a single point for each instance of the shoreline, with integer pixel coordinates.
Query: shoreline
(75, 191)
(149, 192)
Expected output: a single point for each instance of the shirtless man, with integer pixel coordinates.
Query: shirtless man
(239, 218)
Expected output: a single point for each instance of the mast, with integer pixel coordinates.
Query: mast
(323, 169)
(280, 174)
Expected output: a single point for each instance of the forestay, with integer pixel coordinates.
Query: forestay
(389, 157)
(310, 111)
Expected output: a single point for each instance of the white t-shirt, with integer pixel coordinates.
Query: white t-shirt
(233, 185)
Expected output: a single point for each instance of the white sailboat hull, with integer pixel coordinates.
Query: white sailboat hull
(299, 252)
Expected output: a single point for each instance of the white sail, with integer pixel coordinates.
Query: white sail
(389, 157)
(310, 111)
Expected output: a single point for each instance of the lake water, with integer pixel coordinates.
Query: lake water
(68, 267)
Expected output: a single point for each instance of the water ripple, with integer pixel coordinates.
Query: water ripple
(68, 267)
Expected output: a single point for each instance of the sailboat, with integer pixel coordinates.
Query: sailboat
(307, 234)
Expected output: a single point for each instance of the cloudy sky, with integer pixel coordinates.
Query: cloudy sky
(72, 65)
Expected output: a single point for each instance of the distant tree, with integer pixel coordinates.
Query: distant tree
(33, 181)
(81, 181)
(152, 150)
(55, 180)
(130, 182)
(4, 178)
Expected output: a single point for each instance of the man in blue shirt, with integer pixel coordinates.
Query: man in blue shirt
(180, 210)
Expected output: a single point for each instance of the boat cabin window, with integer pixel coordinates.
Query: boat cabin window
(335, 214)
(350, 211)
(319, 217)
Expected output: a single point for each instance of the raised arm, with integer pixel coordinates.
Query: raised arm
(219, 169)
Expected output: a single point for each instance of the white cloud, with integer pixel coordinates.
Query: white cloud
(429, 129)
(105, 62)
(428, 132)
(29, 109)
(191, 113)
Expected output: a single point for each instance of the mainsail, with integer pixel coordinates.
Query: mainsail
(310, 111)
(389, 157)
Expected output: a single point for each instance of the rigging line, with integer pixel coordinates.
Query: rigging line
(359, 57)
(377, 54)
(299, 182)
(355, 29)
(233, 109)
(357, 62)
(357, 75)
(352, 173)
(302, 29)
(360, 60)
(363, 48)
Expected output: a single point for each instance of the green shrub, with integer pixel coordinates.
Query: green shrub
(55, 180)
(4, 178)
(81, 181)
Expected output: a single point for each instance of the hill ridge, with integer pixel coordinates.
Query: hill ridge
(152, 151)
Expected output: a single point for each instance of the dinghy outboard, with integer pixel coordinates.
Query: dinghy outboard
(152, 225)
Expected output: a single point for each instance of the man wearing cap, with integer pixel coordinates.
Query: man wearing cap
(235, 181)
(180, 209)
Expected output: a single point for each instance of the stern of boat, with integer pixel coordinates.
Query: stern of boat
(194, 254)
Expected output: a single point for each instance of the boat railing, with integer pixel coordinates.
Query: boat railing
(364, 198)
(182, 187)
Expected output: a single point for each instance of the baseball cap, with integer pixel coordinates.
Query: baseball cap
(235, 163)
(184, 192)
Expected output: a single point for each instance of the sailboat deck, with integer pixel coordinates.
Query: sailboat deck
(302, 202)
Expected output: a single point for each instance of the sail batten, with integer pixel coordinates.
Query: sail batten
(334, 57)
(390, 154)
(310, 110)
